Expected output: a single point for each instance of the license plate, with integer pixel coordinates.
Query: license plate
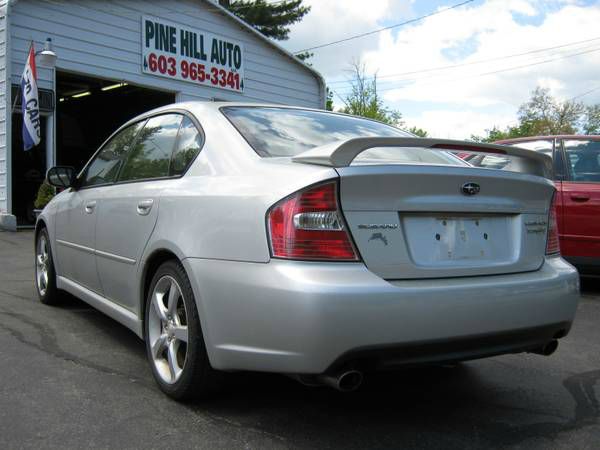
(441, 240)
(462, 238)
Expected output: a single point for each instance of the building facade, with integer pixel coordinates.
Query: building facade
(117, 59)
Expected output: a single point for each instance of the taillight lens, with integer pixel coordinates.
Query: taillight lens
(308, 225)
(552, 244)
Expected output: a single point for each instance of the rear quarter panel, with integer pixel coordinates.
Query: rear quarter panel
(218, 209)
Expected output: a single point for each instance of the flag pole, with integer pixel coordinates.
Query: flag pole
(16, 98)
(12, 111)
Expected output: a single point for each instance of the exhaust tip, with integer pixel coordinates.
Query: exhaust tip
(349, 381)
(547, 349)
(550, 347)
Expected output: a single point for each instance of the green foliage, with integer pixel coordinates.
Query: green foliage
(496, 134)
(544, 115)
(329, 101)
(364, 101)
(271, 19)
(418, 132)
(305, 56)
(44, 195)
(591, 121)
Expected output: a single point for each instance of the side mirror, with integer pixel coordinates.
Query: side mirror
(61, 176)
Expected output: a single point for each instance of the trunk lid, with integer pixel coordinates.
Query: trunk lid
(433, 221)
(416, 222)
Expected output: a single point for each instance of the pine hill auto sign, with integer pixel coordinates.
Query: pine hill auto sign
(175, 51)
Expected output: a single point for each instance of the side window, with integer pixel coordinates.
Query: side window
(583, 158)
(151, 154)
(189, 142)
(546, 147)
(105, 166)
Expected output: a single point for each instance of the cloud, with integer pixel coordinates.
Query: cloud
(497, 34)
(455, 124)
(331, 20)
(477, 32)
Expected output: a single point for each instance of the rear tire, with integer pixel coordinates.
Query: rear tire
(174, 341)
(45, 275)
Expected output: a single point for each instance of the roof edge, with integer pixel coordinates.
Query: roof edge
(272, 43)
(251, 29)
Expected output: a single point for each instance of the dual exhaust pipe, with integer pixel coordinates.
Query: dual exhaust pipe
(350, 380)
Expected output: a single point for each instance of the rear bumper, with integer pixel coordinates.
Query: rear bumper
(297, 317)
(587, 265)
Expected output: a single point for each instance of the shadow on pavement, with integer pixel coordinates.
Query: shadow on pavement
(590, 285)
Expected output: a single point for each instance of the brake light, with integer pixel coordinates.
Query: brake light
(309, 225)
(552, 244)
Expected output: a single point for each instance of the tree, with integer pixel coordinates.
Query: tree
(364, 101)
(591, 121)
(496, 134)
(329, 99)
(304, 56)
(418, 132)
(271, 19)
(544, 115)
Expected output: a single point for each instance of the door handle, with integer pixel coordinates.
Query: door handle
(90, 206)
(144, 207)
(580, 197)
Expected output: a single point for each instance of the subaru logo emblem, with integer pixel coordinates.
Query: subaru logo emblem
(470, 188)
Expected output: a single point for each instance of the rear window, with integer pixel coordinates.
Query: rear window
(277, 132)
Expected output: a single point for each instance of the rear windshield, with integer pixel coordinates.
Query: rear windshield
(274, 132)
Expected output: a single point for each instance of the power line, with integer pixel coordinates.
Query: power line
(339, 96)
(586, 93)
(417, 19)
(453, 66)
(498, 71)
(552, 57)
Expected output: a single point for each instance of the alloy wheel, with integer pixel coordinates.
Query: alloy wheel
(168, 329)
(42, 262)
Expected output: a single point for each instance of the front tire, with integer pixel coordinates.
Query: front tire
(45, 275)
(174, 342)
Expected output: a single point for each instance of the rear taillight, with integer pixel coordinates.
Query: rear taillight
(552, 244)
(309, 225)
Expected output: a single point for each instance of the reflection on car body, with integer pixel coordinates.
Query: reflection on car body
(319, 245)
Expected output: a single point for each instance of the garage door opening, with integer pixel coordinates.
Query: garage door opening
(91, 109)
(88, 110)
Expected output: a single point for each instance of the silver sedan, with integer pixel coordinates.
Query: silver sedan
(318, 245)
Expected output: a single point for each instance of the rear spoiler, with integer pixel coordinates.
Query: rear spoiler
(342, 153)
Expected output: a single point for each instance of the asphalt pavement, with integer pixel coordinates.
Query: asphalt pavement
(71, 377)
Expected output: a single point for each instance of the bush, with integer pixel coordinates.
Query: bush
(44, 195)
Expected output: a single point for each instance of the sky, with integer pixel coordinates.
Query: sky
(484, 41)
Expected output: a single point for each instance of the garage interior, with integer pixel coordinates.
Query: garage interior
(87, 111)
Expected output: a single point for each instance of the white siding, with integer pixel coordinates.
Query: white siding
(4, 99)
(103, 39)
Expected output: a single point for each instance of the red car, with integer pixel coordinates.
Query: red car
(577, 178)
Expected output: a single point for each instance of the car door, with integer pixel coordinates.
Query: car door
(581, 200)
(78, 212)
(130, 208)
